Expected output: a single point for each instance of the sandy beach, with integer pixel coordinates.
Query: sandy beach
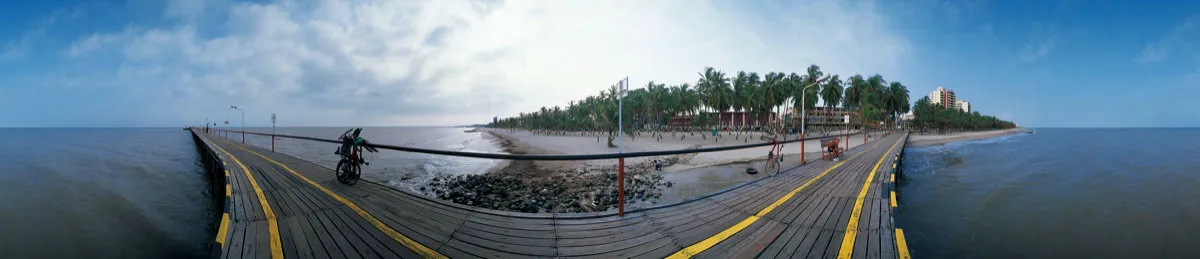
(576, 144)
(918, 140)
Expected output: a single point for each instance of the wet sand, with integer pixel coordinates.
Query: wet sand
(924, 140)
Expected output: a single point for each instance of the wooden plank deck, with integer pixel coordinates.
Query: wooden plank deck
(804, 212)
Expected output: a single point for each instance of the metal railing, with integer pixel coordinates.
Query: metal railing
(621, 156)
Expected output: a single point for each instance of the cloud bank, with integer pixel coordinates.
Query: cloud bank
(331, 62)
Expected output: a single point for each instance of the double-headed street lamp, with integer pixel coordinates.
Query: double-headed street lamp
(243, 122)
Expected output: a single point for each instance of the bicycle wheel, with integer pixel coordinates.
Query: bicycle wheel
(343, 171)
(355, 172)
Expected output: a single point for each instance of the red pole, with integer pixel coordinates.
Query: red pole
(621, 187)
(243, 137)
(802, 148)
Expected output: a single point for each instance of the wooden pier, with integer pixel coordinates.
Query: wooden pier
(280, 206)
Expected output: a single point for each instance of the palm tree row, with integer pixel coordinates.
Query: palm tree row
(658, 108)
(943, 119)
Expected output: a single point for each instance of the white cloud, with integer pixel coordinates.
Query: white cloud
(1034, 51)
(451, 62)
(1160, 49)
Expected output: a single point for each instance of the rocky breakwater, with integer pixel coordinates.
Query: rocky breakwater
(522, 187)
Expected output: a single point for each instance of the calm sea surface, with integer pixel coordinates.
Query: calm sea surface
(1074, 193)
(103, 193)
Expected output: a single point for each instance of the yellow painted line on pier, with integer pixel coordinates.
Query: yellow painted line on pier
(852, 226)
(894, 203)
(272, 224)
(400, 238)
(711, 241)
(893, 178)
(901, 245)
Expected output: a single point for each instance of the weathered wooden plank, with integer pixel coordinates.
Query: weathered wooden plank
(287, 237)
(779, 244)
(324, 238)
(484, 252)
(297, 238)
(656, 248)
(586, 249)
(343, 244)
(250, 242)
(262, 242)
(755, 237)
(803, 243)
(583, 238)
(364, 244)
(234, 248)
(525, 247)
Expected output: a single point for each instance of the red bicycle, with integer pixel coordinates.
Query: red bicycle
(349, 168)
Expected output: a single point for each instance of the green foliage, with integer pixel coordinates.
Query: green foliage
(653, 107)
(935, 116)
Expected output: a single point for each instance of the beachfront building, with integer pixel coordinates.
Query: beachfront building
(727, 119)
(908, 116)
(942, 96)
(825, 117)
(963, 105)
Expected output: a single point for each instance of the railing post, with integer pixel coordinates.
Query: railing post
(621, 187)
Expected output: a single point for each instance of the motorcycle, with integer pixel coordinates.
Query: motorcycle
(349, 168)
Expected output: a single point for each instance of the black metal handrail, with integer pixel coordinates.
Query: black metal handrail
(547, 157)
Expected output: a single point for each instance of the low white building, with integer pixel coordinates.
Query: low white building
(963, 105)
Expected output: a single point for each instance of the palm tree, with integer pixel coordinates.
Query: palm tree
(713, 87)
(898, 99)
(810, 96)
(831, 92)
(770, 90)
(854, 92)
(741, 101)
(877, 88)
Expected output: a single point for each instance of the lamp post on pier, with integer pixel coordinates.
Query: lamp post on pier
(243, 122)
(804, 116)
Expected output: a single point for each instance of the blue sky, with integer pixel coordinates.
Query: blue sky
(332, 63)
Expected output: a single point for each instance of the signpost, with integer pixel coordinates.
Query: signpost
(622, 88)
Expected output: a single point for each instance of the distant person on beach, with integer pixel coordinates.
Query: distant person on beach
(657, 165)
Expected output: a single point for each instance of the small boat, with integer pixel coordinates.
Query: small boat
(472, 130)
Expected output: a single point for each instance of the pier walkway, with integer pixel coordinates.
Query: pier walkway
(280, 206)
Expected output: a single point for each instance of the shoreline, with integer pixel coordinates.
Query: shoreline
(918, 140)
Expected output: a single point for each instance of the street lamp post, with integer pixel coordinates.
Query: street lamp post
(272, 132)
(804, 116)
(243, 122)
